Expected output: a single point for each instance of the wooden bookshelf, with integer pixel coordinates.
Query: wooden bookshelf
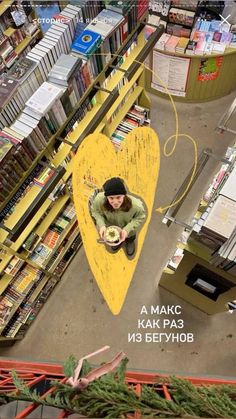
(57, 207)
(5, 281)
(27, 41)
(9, 32)
(29, 212)
(38, 289)
(5, 4)
(65, 249)
(121, 114)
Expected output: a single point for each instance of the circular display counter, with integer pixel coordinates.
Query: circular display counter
(192, 78)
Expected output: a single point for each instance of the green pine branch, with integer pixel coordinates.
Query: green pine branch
(110, 397)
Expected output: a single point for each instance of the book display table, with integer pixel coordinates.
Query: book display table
(192, 78)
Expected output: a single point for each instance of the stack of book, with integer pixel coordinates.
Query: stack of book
(8, 54)
(113, 30)
(211, 37)
(46, 248)
(215, 228)
(33, 70)
(7, 89)
(15, 159)
(16, 292)
(47, 102)
(182, 4)
(90, 9)
(220, 219)
(128, 9)
(225, 257)
(172, 43)
(14, 266)
(136, 117)
(21, 191)
(65, 252)
(67, 72)
(44, 114)
(178, 30)
(19, 318)
(87, 46)
(182, 16)
(182, 45)
(44, 177)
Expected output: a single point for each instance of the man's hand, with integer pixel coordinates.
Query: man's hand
(123, 235)
(102, 232)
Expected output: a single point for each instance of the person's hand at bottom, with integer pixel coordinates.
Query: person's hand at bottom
(102, 232)
(123, 235)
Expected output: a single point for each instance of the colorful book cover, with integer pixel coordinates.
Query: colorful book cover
(86, 43)
(21, 69)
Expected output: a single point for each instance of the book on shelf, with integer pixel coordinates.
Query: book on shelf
(178, 30)
(132, 11)
(110, 26)
(175, 260)
(221, 219)
(43, 55)
(67, 21)
(86, 43)
(14, 265)
(7, 89)
(228, 189)
(190, 4)
(64, 67)
(51, 238)
(106, 23)
(29, 135)
(40, 254)
(184, 17)
(21, 69)
(22, 144)
(42, 100)
(44, 177)
(135, 117)
(30, 241)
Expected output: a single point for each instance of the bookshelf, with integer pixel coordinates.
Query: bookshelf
(15, 36)
(40, 237)
(27, 41)
(206, 249)
(5, 4)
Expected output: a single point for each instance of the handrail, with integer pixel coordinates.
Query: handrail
(170, 214)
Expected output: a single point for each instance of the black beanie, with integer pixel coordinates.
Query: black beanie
(114, 186)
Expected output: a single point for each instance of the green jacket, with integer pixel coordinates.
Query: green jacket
(130, 220)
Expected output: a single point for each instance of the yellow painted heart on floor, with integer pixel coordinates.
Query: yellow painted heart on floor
(138, 165)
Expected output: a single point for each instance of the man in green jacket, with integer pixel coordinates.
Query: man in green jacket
(115, 207)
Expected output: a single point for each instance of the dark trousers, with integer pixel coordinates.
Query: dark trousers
(127, 240)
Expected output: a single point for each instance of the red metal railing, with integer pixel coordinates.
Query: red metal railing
(41, 374)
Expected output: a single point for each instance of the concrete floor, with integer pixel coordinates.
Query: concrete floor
(76, 320)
